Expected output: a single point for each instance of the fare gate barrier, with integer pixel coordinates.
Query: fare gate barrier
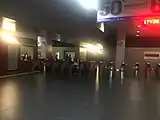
(106, 70)
(157, 71)
(148, 69)
(136, 70)
(111, 70)
(122, 71)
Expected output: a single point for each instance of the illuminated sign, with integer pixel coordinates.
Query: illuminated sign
(153, 21)
(117, 10)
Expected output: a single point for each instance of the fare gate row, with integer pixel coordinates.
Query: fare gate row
(106, 70)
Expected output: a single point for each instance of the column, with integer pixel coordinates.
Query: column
(120, 49)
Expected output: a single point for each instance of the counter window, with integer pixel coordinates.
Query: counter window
(26, 53)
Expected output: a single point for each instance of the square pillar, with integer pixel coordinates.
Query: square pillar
(120, 49)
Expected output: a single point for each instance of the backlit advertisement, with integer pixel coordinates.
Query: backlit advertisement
(116, 10)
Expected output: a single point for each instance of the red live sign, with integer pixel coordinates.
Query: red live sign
(151, 21)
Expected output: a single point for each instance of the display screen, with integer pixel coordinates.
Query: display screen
(151, 21)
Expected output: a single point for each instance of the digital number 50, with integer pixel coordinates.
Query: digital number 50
(114, 8)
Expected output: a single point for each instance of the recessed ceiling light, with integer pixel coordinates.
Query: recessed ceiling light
(137, 35)
(138, 31)
(138, 26)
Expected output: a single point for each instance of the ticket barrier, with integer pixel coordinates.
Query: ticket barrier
(111, 70)
(136, 69)
(148, 69)
(122, 71)
(157, 71)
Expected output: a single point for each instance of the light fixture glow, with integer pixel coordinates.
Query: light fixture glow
(89, 4)
(137, 35)
(139, 26)
(138, 31)
(92, 48)
(8, 38)
(8, 24)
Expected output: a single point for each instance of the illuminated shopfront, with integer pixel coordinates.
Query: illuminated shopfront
(9, 44)
(14, 47)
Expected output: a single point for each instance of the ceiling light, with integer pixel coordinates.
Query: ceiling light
(138, 31)
(137, 35)
(89, 4)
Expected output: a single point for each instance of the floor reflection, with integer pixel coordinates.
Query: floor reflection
(135, 91)
(41, 85)
(9, 101)
(97, 79)
(96, 94)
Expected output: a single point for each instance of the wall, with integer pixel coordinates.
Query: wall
(3, 58)
(26, 31)
(133, 55)
(137, 54)
(110, 43)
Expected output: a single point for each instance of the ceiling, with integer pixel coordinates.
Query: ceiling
(47, 13)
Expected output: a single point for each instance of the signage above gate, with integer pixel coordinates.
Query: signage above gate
(151, 21)
(116, 10)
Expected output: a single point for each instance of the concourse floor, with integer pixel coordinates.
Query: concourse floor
(44, 97)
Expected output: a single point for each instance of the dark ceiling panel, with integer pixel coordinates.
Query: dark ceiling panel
(44, 13)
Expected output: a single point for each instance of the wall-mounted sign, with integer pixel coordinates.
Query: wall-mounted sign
(152, 55)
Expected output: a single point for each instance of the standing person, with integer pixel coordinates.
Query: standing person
(56, 58)
(81, 64)
(70, 58)
(66, 57)
(75, 68)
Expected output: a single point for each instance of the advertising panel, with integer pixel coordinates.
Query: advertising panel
(116, 10)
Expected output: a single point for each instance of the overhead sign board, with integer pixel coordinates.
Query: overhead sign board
(115, 10)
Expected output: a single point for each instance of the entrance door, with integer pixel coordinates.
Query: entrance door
(12, 57)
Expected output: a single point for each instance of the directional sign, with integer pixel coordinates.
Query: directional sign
(115, 10)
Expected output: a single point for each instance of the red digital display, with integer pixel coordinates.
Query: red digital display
(151, 21)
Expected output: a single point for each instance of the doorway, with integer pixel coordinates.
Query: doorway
(12, 57)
